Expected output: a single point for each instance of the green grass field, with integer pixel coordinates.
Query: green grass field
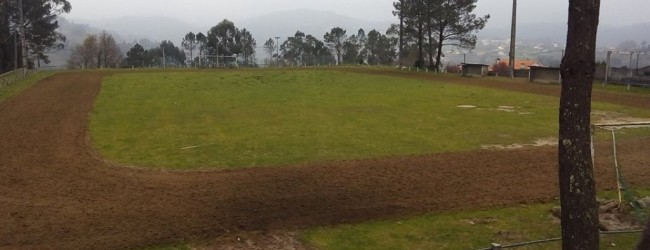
(244, 118)
(275, 117)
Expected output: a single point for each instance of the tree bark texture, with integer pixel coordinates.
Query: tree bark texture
(645, 240)
(577, 187)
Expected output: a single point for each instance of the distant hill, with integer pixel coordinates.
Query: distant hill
(317, 23)
(154, 28)
(150, 30)
(608, 36)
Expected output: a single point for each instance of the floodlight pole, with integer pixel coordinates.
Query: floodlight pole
(164, 57)
(513, 36)
(607, 67)
(629, 80)
(637, 63)
(23, 48)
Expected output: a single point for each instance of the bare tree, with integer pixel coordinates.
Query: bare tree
(84, 54)
(109, 54)
(577, 187)
(95, 52)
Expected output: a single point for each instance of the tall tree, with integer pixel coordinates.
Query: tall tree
(351, 49)
(40, 27)
(294, 47)
(577, 187)
(189, 44)
(381, 49)
(315, 51)
(453, 23)
(226, 40)
(173, 55)
(135, 57)
(334, 40)
(414, 15)
(201, 40)
(269, 48)
(222, 39)
(247, 47)
(108, 53)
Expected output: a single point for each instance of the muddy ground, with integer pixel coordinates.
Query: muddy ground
(55, 192)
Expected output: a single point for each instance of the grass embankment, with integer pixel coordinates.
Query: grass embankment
(232, 119)
(17, 87)
(460, 230)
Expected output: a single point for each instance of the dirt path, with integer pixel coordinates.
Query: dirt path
(55, 193)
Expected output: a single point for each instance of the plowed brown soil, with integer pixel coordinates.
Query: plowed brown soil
(56, 193)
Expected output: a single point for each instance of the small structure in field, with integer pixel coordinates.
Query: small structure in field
(475, 70)
(545, 75)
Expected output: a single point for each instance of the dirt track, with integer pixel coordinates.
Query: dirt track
(56, 193)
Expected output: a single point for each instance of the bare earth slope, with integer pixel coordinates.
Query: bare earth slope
(56, 193)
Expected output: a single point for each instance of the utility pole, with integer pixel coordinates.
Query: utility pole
(629, 80)
(637, 63)
(607, 67)
(513, 36)
(23, 48)
(277, 45)
(164, 57)
(401, 31)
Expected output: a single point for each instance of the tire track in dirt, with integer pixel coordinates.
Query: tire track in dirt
(56, 193)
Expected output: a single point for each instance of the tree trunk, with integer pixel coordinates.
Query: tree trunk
(420, 44)
(577, 187)
(441, 38)
(431, 45)
(191, 55)
(401, 31)
(645, 241)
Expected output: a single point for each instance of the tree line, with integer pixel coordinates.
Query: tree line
(40, 31)
(426, 26)
(337, 47)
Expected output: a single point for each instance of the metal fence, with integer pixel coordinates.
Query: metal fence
(11, 77)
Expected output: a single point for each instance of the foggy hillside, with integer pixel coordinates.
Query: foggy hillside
(149, 31)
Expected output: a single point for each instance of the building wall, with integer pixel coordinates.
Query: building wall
(475, 70)
(622, 75)
(545, 75)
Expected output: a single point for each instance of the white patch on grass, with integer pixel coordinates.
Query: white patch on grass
(606, 117)
(549, 141)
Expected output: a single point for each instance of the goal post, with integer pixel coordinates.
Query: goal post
(613, 128)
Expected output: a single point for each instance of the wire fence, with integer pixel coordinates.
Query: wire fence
(12, 77)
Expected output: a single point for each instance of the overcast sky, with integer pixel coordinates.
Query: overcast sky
(208, 12)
